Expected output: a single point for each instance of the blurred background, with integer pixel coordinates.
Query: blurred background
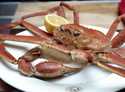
(51, 0)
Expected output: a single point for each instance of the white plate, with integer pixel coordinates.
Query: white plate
(90, 79)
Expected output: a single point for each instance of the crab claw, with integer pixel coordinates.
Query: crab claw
(47, 69)
(111, 61)
(25, 67)
(53, 69)
(24, 62)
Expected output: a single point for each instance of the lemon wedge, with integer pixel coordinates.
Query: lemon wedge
(52, 21)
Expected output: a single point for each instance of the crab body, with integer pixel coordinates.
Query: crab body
(81, 37)
(69, 43)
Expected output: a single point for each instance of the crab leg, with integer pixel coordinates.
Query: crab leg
(105, 59)
(30, 39)
(8, 26)
(119, 39)
(114, 26)
(110, 68)
(39, 32)
(120, 51)
(60, 11)
(51, 10)
(35, 30)
(75, 13)
(112, 57)
(6, 55)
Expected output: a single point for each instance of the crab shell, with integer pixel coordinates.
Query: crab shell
(80, 37)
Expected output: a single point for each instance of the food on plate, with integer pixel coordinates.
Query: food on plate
(67, 43)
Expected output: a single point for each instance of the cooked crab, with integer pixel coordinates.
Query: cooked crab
(69, 43)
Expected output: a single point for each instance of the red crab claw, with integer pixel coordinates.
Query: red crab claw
(46, 69)
(111, 61)
(6, 55)
(52, 69)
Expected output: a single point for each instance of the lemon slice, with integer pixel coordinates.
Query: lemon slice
(52, 21)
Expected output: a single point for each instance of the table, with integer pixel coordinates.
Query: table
(91, 13)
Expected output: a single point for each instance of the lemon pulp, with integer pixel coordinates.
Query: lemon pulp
(52, 21)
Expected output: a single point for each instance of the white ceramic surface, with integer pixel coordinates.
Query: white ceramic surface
(90, 79)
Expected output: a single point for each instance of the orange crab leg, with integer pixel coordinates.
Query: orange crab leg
(60, 11)
(114, 26)
(111, 68)
(30, 39)
(119, 39)
(6, 55)
(120, 51)
(34, 29)
(51, 10)
(75, 13)
(113, 58)
(8, 26)
(107, 59)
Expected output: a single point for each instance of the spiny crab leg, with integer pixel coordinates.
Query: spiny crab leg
(35, 30)
(105, 60)
(114, 26)
(119, 39)
(30, 39)
(51, 10)
(112, 57)
(120, 51)
(75, 13)
(61, 12)
(111, 68)
(6, 55)
(8, 26)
